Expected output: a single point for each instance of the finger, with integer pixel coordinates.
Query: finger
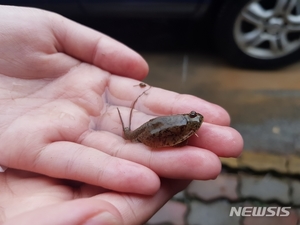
(73, 161)
(80, 211)
(98, 49)
(223, 141)
(158, 101)
(137, 209)
(187, 162)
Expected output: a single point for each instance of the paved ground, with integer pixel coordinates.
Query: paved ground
(264, 107)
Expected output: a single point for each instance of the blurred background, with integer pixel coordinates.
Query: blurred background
(243, 55)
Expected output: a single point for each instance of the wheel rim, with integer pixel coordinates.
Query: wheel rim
(267, 30)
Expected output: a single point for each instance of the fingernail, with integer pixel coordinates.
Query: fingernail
(2, 169)
(103, 218)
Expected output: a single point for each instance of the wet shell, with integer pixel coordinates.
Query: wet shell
(166, 131)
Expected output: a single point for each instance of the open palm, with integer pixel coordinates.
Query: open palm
(60, 85)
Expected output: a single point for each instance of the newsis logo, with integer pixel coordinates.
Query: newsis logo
(259, 211)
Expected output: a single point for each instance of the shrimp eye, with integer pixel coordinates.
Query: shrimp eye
(193, 114)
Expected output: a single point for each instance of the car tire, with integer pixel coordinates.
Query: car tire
(258, 34)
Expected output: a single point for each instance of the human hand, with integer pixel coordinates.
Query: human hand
(58, 109)
(27, 198)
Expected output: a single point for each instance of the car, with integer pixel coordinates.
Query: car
(258, 34)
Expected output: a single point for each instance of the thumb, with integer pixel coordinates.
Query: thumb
(81, 211)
